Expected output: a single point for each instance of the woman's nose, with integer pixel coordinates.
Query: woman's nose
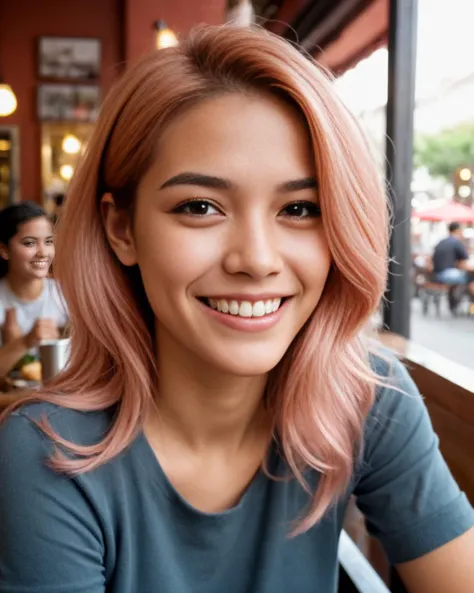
(253, 250)
(41, 249)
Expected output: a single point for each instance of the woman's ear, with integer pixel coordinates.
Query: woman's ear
(118, 228)
(4, 251)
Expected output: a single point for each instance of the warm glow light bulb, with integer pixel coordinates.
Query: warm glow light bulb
(8, 102)
(464, 191)
(166, 38)
(465, 174)
(66, 172)
(71, 144)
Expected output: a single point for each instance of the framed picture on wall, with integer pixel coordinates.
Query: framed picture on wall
(67, 102)
(74, 58)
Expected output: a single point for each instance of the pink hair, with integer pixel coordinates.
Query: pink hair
(323, 389)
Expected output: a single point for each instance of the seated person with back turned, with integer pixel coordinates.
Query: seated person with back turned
(450, 264)
(31, 306)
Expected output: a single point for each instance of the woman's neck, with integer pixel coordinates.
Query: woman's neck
(205, 408)
(25, 289)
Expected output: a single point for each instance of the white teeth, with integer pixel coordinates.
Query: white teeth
(246, 308)
(258, 309)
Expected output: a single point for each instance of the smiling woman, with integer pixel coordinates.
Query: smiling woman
(248, 235)
(31, 309)
(223, 244)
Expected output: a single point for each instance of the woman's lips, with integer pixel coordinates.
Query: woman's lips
(245, 308)
(242, 320)
(40, 264)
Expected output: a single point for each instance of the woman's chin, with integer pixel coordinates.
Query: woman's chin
(38, 274)
(246, 365)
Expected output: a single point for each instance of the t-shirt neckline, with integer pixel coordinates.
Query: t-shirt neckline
(148, 459)
(23, 302)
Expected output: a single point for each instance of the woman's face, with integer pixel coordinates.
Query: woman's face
(31, 251)
(228, 235)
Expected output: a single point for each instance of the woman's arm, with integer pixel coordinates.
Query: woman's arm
(11, 353)
(445, 570)
(410, 499)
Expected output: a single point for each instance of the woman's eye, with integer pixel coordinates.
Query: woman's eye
(29, 244)
(197, 208)
(302, 210)
(50, 242)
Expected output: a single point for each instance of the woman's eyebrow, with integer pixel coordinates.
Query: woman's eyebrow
(189, 178)
(213, 182)
(298, 184)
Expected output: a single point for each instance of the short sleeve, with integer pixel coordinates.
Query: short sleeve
(404, 488)
(50, 539)
(461, 252)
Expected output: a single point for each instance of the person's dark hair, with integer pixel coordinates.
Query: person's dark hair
(59, 200)
(11, 218)
(454, 226)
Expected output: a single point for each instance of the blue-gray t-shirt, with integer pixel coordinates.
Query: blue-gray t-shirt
(123, 528)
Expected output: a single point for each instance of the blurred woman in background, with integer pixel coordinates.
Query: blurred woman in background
(31, 307)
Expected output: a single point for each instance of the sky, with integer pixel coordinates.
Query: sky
(445, 52)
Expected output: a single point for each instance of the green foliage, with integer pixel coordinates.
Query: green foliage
(445, 152)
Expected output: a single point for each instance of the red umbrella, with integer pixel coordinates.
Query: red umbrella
(448, 212)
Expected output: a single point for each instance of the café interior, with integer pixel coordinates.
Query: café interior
(58, 59)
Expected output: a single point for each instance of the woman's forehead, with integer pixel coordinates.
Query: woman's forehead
(37, 227)
(236, 133)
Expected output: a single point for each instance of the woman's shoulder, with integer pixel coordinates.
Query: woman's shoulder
(392, 375)
(398, 409)
(22, 428)
(52, 284)
(383, 361)
(55, 298)
(49, 519)
(53, 288)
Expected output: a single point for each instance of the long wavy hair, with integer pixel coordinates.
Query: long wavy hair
(323, 389)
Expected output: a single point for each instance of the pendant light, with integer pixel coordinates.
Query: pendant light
(165, 37)
(8, 102)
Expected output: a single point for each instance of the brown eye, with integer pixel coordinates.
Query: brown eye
(302, 210)
(197, 208)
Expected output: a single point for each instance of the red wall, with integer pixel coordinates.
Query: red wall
(125, 28)
(179, 15)
(21, 23)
